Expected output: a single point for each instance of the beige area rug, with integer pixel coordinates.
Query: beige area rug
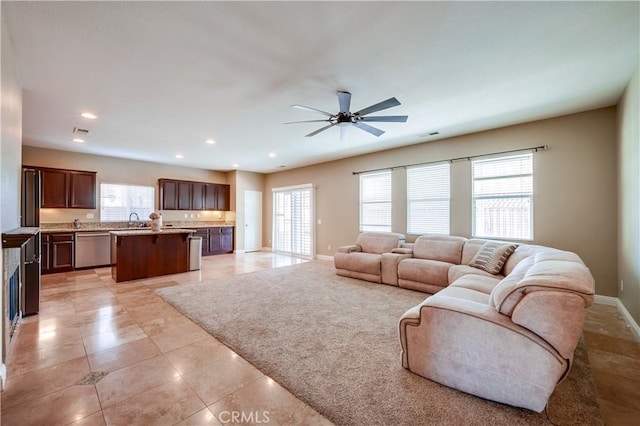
(333, 342)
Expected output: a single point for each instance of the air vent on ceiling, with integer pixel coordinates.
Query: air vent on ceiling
(79, 131)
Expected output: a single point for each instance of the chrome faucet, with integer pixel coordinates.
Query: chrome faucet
(137, 218)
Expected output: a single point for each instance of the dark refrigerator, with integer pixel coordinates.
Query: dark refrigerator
(30, 254)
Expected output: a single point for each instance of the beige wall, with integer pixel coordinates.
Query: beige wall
(10, 152)
(629, 197)
(574, 186)
(118, 170)
(11, 124)
(244, 181)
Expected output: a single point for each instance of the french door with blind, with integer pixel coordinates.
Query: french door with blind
(293, 216)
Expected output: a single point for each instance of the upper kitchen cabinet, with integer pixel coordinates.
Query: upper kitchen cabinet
(217, 197)
(198, 195)
(184, 196)
(68, 189)
(168, 194)
(82, 190)
(188, 195)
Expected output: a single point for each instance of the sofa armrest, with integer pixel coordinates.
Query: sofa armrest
(350, 248)
(389, 266)
(403, 250)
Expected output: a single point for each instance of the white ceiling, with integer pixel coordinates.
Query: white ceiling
(165, 76)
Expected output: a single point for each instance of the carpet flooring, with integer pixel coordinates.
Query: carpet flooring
(333, 342)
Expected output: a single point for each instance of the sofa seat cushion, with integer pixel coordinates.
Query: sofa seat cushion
(462, 293)
(458, 271)
(425, 271)
(368, 263)
(439, 247)
(478, 283)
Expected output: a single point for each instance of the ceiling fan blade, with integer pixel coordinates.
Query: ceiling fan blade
(367, 128)
(387, 118)
(312, 109)
(308, 121)
(344, 99)
(391, 102)
(319, 130)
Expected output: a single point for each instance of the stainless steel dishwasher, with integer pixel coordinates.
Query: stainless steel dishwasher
(92, 249)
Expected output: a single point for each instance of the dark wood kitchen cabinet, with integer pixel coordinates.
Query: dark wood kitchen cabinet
(175, 194)
(55, 188)
(184, 196)
(82, 190)
(72, 189)
(57, 252)
(198, 196)
(216, 240)
(188, 195)
(221, 240)
(168, 194)
(217, 197)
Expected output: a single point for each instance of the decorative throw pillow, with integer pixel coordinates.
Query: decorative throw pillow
(492, 256)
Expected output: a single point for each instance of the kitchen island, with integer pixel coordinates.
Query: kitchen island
(137, 254)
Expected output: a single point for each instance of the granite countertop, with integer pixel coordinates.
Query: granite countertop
(137, 228)
(148, 231)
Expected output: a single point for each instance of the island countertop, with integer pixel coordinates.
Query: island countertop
(129, 232)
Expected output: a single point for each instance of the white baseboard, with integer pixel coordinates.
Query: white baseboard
(3, 376)
(605, 300)
(614, 301)
(324, 257)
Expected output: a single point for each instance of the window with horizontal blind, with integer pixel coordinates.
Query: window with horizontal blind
(503, 197)
(293, 231)
(375, 201)
(118, 201)
(428, 199)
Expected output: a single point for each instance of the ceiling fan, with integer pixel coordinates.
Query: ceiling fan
(344, 117)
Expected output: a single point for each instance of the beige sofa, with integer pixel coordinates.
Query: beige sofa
(507, 336)
(363, 260)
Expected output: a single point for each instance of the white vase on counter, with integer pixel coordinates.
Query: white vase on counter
(156, 224)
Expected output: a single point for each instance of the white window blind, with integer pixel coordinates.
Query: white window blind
(293, 221)
(118, 201)
(503, 197)
(428, 194)
(375, 201)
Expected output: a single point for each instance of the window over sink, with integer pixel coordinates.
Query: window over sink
(119, 201)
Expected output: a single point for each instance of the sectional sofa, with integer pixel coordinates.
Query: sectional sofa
(503, 319)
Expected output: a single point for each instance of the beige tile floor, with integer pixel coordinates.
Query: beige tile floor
(105, 353)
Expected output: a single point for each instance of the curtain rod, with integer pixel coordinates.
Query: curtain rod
(450, 160)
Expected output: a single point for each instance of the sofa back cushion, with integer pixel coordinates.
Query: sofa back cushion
(439, 247)
(379, 242)
(548, 269)
(470, 249)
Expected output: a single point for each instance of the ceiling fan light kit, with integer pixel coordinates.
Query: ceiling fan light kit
(345, 117)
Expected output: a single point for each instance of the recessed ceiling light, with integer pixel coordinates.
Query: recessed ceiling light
(236, 165)
(210, 141)
(77, 140)
(272, 155)
(179, 156)
(89, 115)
